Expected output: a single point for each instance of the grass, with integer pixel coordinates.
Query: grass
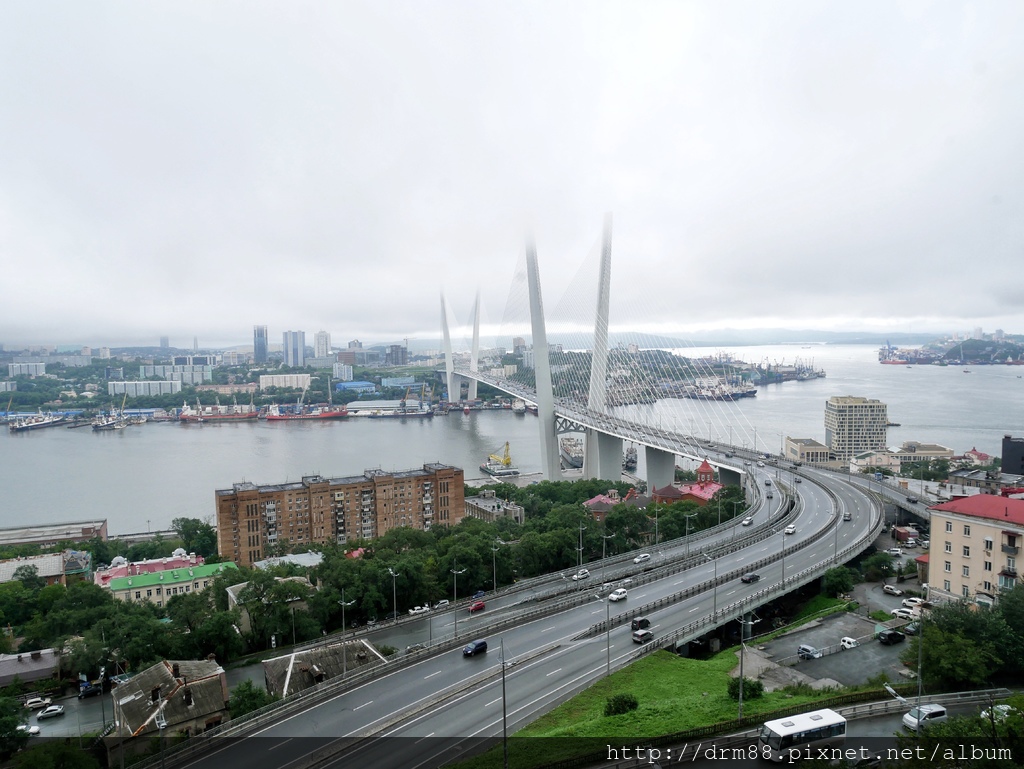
(675, 694)
(880, 616)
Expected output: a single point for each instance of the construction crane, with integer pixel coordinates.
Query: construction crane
(505, 460)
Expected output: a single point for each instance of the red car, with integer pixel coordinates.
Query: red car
(476, 606)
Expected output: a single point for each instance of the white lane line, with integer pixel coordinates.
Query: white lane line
(553, 672)
(279, 744)
(362, 706)
(433, 674)
(730, 592)
(492, 702)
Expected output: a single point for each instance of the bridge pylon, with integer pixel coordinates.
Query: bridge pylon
(549, 458)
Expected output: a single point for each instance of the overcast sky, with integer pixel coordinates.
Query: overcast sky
(194, 168)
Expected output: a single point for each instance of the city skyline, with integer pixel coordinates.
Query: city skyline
(171, 172)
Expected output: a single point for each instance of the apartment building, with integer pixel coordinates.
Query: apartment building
(806, 450)
(160, 586)
(975, 543)
(251, 518)
(854, 425)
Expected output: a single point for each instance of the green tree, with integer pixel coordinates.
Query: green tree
(197, 536)
(837, 580)
(28, 576)
(12, 715)
(248, 697)
(57, 754)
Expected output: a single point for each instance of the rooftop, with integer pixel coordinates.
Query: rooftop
(988, 506)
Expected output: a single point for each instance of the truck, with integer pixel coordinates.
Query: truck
(904, 533)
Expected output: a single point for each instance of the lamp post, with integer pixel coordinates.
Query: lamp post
(455, 595)
(344, 649)
(494, 568)
(688, 517)
(504, 709)
(579, 551)
(655, 524)
(714, 561)
(604, 550)
(394, 595)
(745, 624)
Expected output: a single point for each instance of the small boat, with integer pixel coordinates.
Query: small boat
(465, 410)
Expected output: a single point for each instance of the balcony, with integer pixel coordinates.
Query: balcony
(1009, 549)
(1008, 571)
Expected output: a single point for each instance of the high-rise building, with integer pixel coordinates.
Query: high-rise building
(315, 510)
(259, 344)
(321, 344)
(397, 355)
(165, 342)
(295, 349)
(854, 425)
(1013, 455)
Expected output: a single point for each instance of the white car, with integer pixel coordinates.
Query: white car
(791, 529)
(902, 613)
(33, 730)
(998, 713)
(912, 603)
(642, 557)
(442, 604)
(895, 551)
(581, 574)
(848, 643)
(419, 610)
(891, 590)
(618, 594)
(747, 521)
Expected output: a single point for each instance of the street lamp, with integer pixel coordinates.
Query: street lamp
(455, 594)
(745, 624)
(344, 649)
(688, 517)
(579, 551)
(394, 598)
(714, 561)
(604, 549)
(494, 568)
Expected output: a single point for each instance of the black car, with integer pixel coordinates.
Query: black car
(479, 594)
(750, 577)
(890, 637)
(89, 691)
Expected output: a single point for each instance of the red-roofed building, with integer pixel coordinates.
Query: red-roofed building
(700, 491)
(975, 544)
(978, 458)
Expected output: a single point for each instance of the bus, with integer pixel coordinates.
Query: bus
(795, 737)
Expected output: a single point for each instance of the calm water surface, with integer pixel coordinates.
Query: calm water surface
(142, 477)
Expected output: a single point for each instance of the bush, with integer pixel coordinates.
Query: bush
(752, 688)
(619, 704)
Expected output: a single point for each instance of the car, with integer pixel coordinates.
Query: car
(910, 543)
(760, 464)
(747, 521)
(581, 574)
(639, 623)
(642, 636)
(791, 529)
(414, 648)
(912, 629)
(442, 604)
(728, 455)
(769, 495)
(808, 652)
(35, 703)
(476, 606)
(767, 482)
(50, 712)
(997, 713)
(746, 464)
(479, 594)
(912, 603)
(912, 500)
(848, 643)
(890, 637)
(89, 690)
(891, 590)
(618, 595)
(921, 717)
(924, 542)
(392, 615)
(798, 479)
(33, 730)
(642, 557)
(474, 648)
(902, 613)
(751, 577)
(847, 516)
(419, 610)
(895, 551)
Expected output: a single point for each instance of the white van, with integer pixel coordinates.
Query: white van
(848, 643)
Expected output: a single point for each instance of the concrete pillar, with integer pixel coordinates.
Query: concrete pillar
(661, 468)
(549, 458)
(609, 449)
(475, 349)
(449, 358)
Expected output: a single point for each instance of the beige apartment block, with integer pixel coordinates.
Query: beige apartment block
(854, 425)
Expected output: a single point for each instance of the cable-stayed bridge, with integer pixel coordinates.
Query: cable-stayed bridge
(630, 392)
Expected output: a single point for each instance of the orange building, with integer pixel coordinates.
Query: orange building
(701, 491)
(251, 518)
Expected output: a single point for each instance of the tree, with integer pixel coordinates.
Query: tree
(28, 576)
(12, 715)
(197, 536)
(248, 697)
(57, 754)
(752, 688)
(837, 580)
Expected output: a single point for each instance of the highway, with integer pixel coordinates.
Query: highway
(552, 657)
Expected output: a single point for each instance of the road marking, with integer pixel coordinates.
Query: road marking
(279, 744)
(730, 592)
(547, 629)
(425, 738)
(553, 672)
(679, 582)
(362, 706)
(694, 609)
(432, 675)
(492, 702)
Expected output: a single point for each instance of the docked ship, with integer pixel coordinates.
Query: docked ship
(217, 413)
(401, 412)
(518, 406)
(35, 422)
(284, 413)
(500, 466)
(571, 451)
(629, 461)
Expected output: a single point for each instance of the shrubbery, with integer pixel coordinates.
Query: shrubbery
(752, 688)
(619, 704)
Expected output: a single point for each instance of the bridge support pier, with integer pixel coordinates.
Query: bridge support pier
(602, 456)
(661, 468)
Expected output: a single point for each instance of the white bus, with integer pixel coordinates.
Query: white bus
(795, 737)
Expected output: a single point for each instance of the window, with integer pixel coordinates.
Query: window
(967, 551)
(945, 585)
(949, 547)
(987, 586)
(1011, 563)
(949, 526)
(967, 530)
(988, 566)
(949, 566)
(988, 543)
(138, 594)
(149, 593)
(965, 591)
(967, 571)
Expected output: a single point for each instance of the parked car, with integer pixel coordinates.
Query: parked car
(618, 595)
(751, 577)
(924, 542)
(89, 690)
(912, 603)
(581, 574)
(35, 703)
(808, 652)
(902, 613)
(848, 643)
(33, 730)
(419, 610)
(791, 529)
(910, 543)
(474, 648)
(895, 551)
(50, 712)
(747, 521)
(414, 648)
(479, 594)
(921, 717)
(912, 629)
(891, 590)
(998, 713)
(476, 606)
(890, 637)
(642, 636)
(642, 557)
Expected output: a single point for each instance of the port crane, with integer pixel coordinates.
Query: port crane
(505, 459)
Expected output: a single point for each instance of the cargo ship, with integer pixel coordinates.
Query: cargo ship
(285, 413)
(629, 461)
(217, 413)
(35, 422)
(571, 452)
